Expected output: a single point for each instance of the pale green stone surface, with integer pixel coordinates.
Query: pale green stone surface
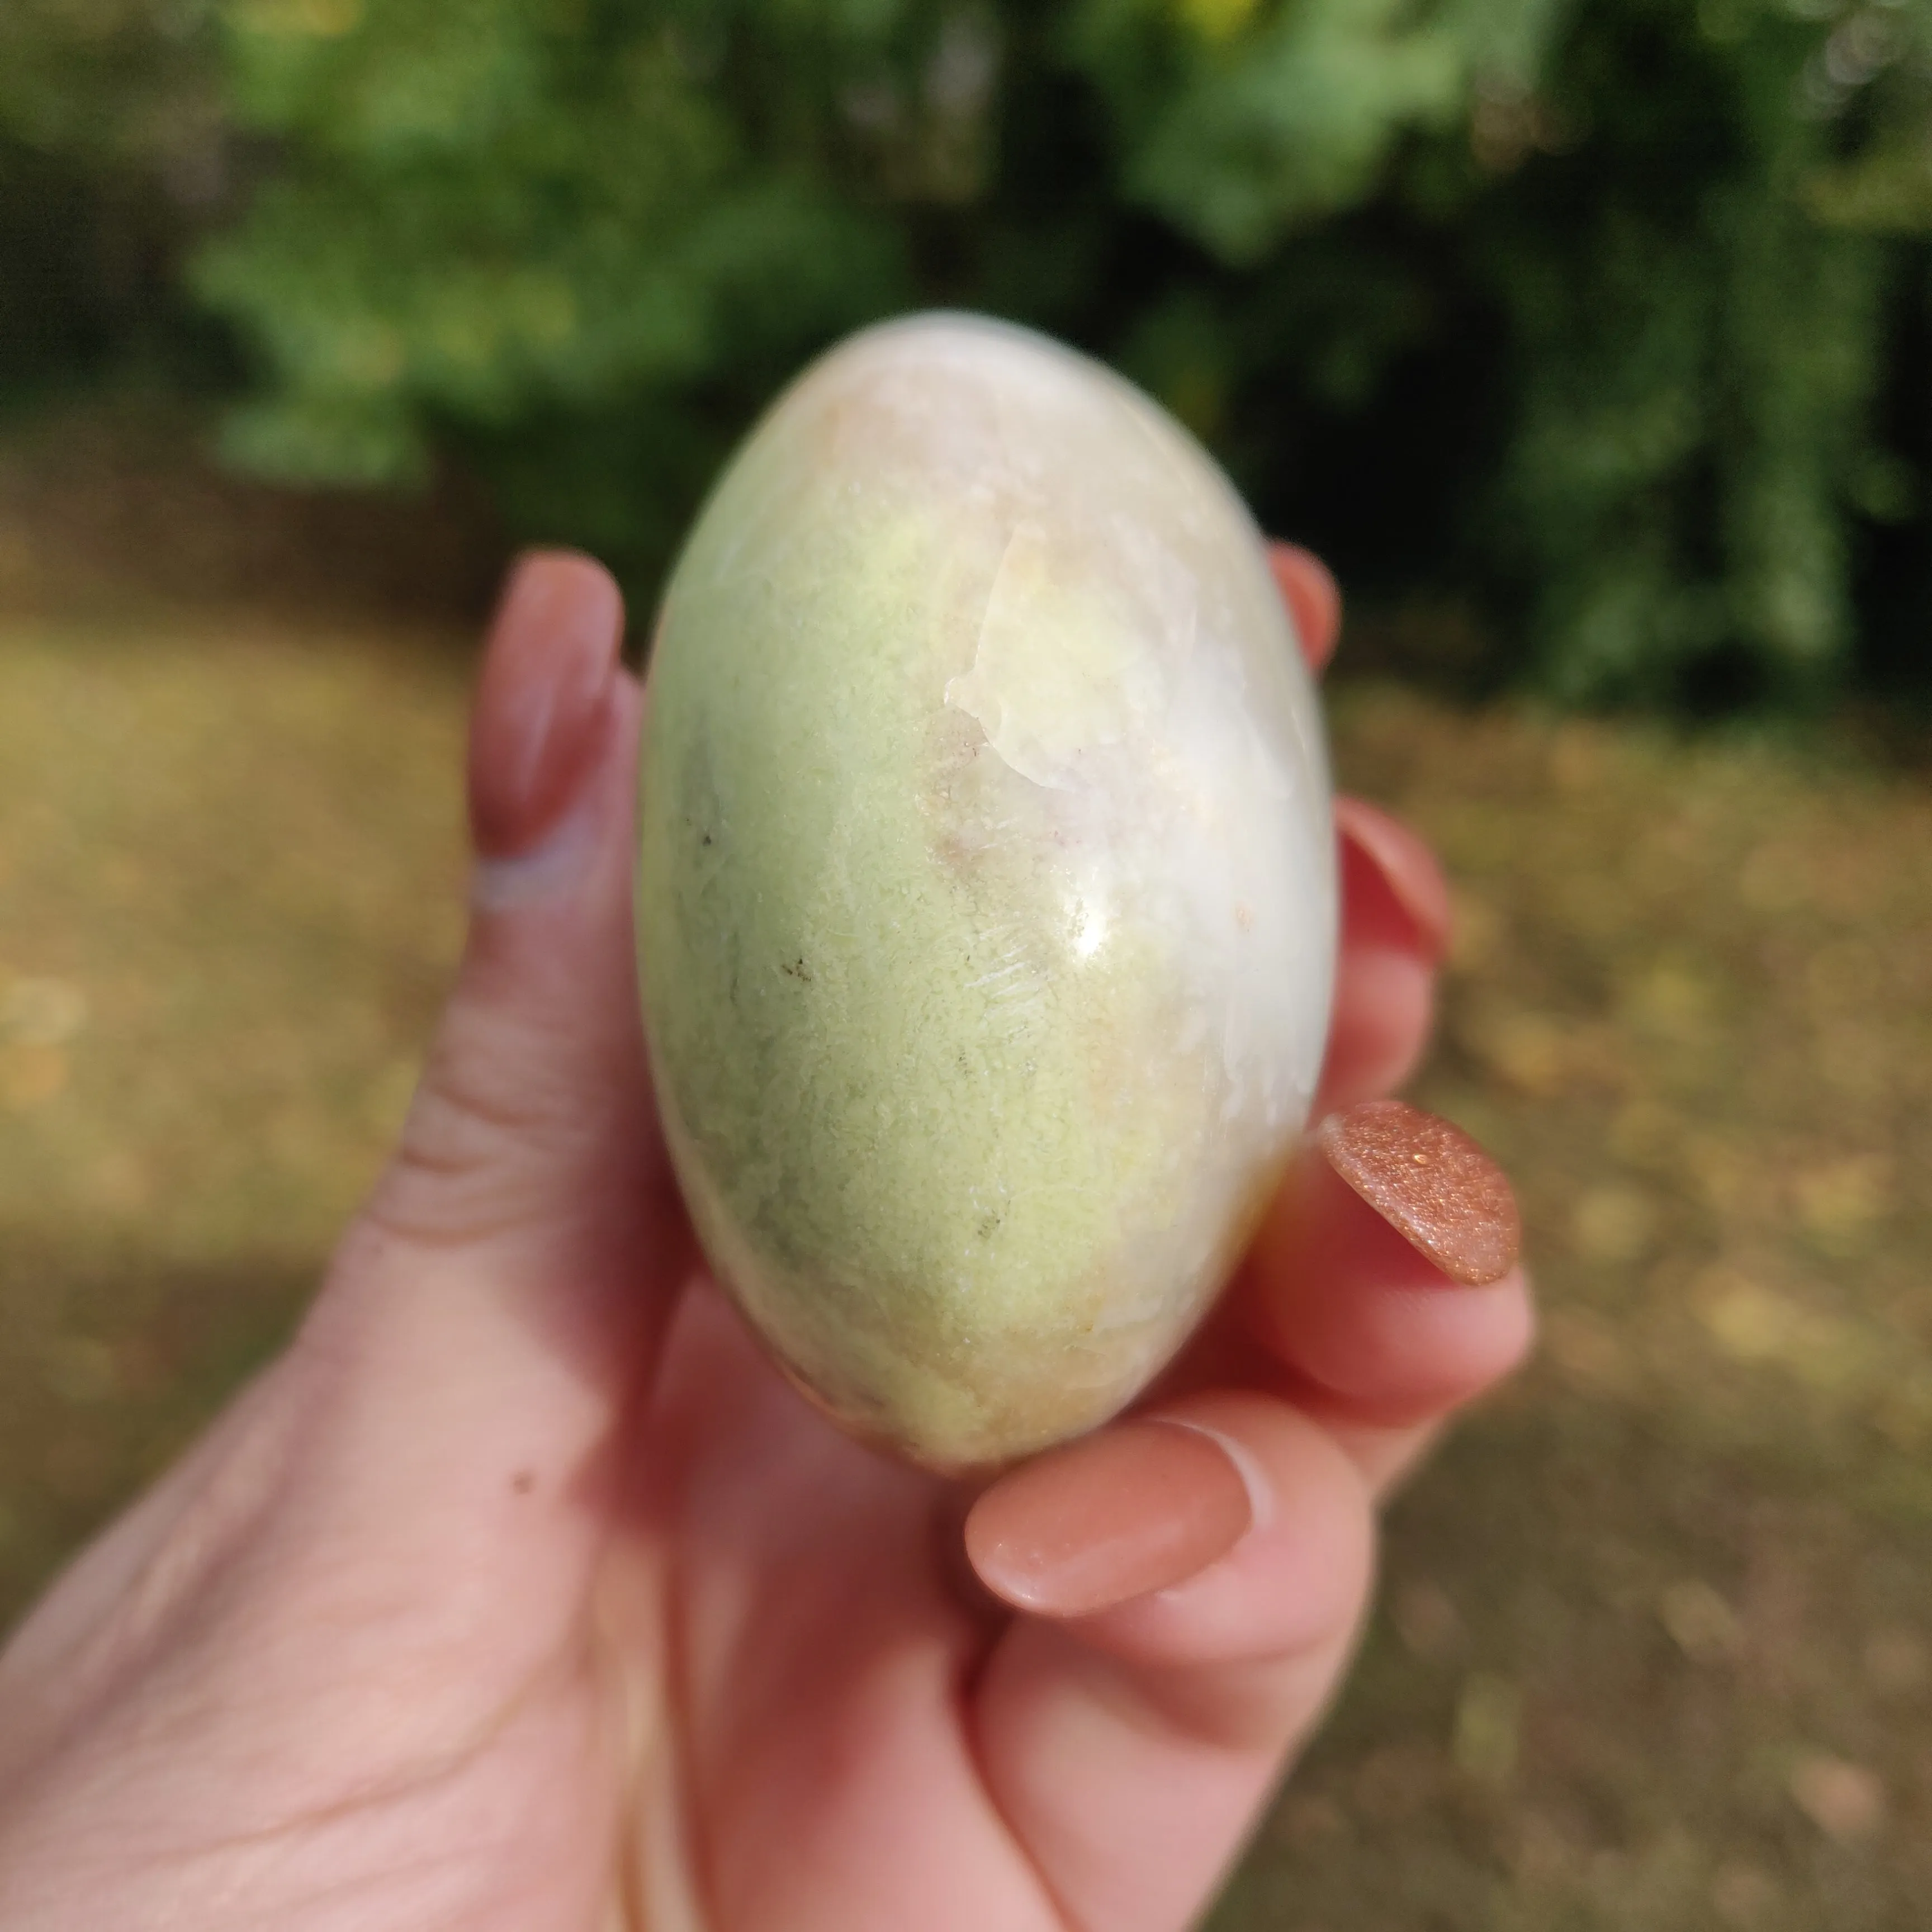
(985, 893)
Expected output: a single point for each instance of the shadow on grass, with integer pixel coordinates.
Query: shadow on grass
(1619, 1679)
(114, 1361)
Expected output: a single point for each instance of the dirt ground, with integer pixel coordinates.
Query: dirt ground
(1655, 1645)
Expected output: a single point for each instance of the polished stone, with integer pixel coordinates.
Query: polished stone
(986, 901)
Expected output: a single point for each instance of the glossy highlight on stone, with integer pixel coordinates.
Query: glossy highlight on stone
(985, 899)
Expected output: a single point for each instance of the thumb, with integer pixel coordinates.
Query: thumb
(436, 1447)
(531, 1145)
(501, 1295)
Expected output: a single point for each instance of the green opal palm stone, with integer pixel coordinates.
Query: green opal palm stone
(986, 896)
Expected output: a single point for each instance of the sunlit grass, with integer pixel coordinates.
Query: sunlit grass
(1655, 1650)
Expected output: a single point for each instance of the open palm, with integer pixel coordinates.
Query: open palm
(521, 1592)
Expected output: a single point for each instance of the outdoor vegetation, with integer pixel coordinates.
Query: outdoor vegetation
(1588, 333)
(1589, 338)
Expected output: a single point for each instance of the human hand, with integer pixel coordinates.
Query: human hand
(521, 1592)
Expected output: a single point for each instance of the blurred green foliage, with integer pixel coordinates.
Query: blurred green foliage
(1600, 319)
(114, 136)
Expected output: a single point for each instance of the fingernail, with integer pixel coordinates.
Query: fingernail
(1432, 1183)
(1384, 853)
(528, 878)
(1313, 599)
(542, 701)
(1140, 1506)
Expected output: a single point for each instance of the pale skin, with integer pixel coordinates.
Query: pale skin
(519, 1592)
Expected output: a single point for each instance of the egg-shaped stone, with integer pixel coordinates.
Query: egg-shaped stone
(985, 895)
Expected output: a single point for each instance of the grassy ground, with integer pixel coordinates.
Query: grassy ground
(1656, 1646)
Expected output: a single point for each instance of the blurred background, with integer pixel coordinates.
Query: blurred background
(1590, 340)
